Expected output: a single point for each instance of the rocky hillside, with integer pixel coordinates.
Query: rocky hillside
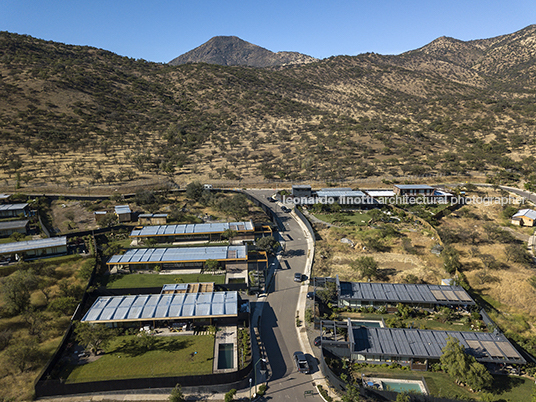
(233, 51)
(79, 116)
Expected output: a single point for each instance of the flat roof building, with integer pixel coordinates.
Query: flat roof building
(163, 307)
(35, 248)
(123, 213)
(406, 345)
(194, 232)
(359, 294)
(9, 227)
(11, 210)
(177, 258)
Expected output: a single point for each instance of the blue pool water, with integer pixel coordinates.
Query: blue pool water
(401, 387)
(225, 356)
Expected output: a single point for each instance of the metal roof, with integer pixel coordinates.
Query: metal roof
(404, 293)
(4, 196)
(13, 225)
(414, 187)
(302, 186)
(152, 215)
(12, 207)
(193, 228)
(339, 192)
(529, 213)
(182, 254)
(381, 193)
(416, 343)
(16, 247)
(163, 307)
(122, 209)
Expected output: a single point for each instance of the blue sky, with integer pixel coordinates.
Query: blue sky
(160, 30)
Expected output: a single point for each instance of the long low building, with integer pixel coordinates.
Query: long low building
(364, 294)
(407, 345)
(154, 308)
(35, 248)
(194, 232)
(176, 258)
(7, 228)
(12, 210)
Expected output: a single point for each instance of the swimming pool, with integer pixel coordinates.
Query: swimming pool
(225, 356)
(398, 386)
(368, 323)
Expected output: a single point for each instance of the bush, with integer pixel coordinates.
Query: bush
(324, 393)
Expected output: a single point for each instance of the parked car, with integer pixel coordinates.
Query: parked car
(318, 341)
(285, 209)
(311, 295)
(298, 277)
(301, 362)
(271, 199)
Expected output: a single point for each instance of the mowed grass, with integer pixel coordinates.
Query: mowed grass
(156, 280)
(505, 388)
(171, 356)
(357, 218)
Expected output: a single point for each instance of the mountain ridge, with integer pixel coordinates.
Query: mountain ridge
(233, 51)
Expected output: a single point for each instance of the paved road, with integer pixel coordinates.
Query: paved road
(278, 322)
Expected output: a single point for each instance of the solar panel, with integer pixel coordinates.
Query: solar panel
(450, 295)
(462, 295)
(438, 295)
(508, 350)
(492, 349)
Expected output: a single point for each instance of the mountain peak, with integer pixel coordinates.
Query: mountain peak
(233, 51)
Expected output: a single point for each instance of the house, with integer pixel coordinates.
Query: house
(123, 212)
(414, 190)
(152, 219)
(165, 309)
(416, 348)
(301, 190)
(195, 232)
(9, 227)
(13, 210)
(32, 249)
(365, 294)
(343, 196)
(524, 217)
(4, 198)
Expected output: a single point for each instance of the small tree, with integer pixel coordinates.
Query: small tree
(211, 265)
(366, 266)
(454, 359)
(93, 337)
(266, 244)
(176, 394)
(229, 396)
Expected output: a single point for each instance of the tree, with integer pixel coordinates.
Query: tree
(146, 341)
(22, 355)
(229, 234)
(211, 265)
(176, 394)
(37, 323)
(478, 377)
(451, 260)
(366, 266)
(194, 191)
(229, 396)
(454, 360)
(328, 293)
(517, 253)
(16, 290)
(266, 244)
(93, 337)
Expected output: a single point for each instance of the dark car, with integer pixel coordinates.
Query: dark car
(311, 295)
(318, 341)
(301, 362)
(271, 199)
(298, 277)
(285, 209)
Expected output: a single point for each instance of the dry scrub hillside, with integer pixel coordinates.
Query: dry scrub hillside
(81, 119)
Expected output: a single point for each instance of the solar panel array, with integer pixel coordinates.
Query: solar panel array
(193, 228)
(404, 293)
(20, 246)
(162, 307)
(183, 254)
(415, 343)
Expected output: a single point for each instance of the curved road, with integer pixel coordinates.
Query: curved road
(278, 321)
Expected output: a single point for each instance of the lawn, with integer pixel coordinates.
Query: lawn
(156, 280)
(359, 218)
(506, 388)
(171, 356)
(423, 323)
